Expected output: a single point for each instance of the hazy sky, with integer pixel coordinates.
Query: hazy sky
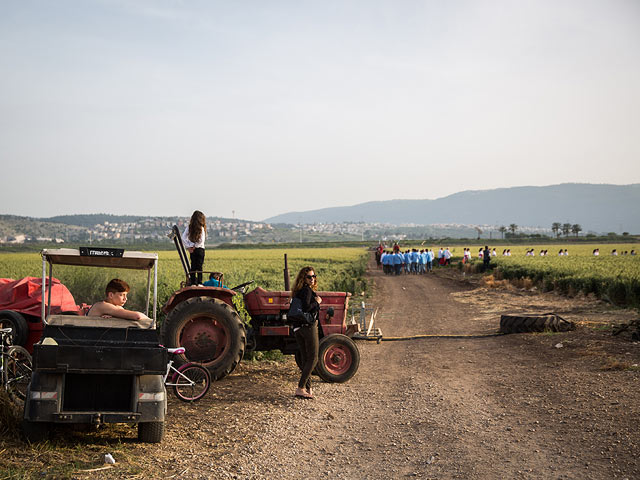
(264, 107)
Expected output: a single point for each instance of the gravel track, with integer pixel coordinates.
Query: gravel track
(513, 406)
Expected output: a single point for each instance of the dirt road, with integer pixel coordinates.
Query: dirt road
(516, 406)
(513, 406)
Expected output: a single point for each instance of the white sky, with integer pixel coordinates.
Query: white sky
(263, 107)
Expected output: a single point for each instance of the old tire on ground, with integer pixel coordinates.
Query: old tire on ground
(210, 330)
(17, 323)
(338, 358)
(35, 432)
(151, 432)
(534, 322)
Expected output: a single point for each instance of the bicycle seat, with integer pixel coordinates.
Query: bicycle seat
(178, 350)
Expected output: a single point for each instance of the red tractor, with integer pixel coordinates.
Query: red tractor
(205, 321)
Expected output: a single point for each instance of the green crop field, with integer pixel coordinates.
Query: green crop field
(338, 269)
(614, 278)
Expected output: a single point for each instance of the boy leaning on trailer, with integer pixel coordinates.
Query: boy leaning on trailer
(113, 305)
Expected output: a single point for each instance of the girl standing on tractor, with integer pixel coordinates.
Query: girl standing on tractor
(193, 238)
(305, 288)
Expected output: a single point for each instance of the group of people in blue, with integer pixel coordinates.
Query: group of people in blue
(411, 261)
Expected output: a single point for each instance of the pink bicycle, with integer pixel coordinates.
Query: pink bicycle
(190, 381)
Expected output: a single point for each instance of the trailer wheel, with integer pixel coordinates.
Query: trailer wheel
(151, 432)
(35, 432)
(211, 331)
(338, 358)
(17, 323)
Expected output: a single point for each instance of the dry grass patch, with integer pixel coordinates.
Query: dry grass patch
(615, 364)
(490, 281)
(10, 416)
(525, 283)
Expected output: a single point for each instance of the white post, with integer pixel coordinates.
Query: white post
(42, 286)
(155, 290)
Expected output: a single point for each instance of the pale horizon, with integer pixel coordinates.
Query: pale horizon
(155, 108)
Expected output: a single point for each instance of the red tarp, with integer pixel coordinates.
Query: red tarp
(24, 296)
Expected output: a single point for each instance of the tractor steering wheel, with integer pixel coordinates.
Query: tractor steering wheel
(242, 286)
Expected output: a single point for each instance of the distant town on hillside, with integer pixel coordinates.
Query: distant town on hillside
(558, 211)
(102, 228)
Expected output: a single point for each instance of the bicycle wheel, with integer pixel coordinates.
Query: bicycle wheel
(19, 368)
(191, 382)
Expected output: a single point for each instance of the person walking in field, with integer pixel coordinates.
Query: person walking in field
(407, 261)
(193, 239)
(414, 261)
(486, 259)
(379, 251)
(398, 260)
(447, 256)
(421, 262)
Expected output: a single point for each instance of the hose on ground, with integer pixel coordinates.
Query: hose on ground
(417, 337)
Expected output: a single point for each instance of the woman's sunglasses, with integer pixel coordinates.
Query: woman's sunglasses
(310, 277)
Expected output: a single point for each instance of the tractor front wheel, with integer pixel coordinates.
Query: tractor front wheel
(338, 358)
(211, 332)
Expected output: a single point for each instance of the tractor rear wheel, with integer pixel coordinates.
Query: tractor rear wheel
(338, 358)
(211, 332)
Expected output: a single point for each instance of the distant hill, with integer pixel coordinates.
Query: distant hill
(13, 225)
(596, 207)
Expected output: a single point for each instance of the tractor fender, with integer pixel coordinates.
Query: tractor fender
(223, 294)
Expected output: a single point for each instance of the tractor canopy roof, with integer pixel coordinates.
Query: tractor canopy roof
(100, 257)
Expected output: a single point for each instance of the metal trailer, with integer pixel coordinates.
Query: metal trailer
(92, 370)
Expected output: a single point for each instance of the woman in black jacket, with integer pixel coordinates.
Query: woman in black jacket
(305, 288)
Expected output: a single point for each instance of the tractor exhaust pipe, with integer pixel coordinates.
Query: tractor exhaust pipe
(287, 281)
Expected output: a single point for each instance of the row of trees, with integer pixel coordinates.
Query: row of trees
(557, 228)
(565, 229)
